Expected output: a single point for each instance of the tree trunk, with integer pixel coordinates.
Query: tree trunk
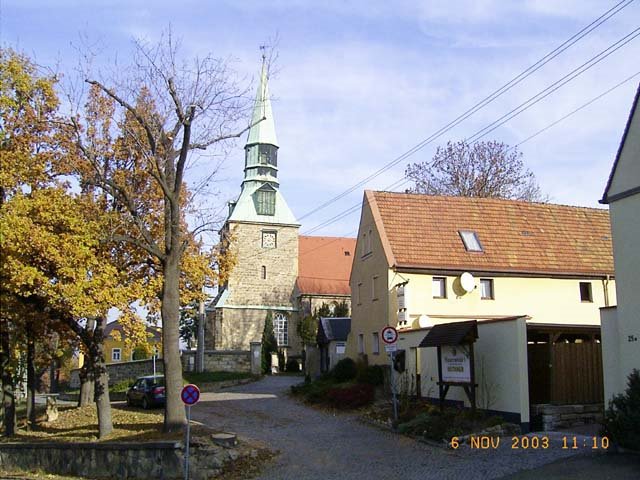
(174, 416)
(103, 404)
(31, 381)
(86, 373)
(8, 390)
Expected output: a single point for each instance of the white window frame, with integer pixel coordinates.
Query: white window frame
(116, 354)
(375, 345)
(361, 343)
(589, 291)
(492, 291)
(281, 329)
(471, 241)
(439, 287)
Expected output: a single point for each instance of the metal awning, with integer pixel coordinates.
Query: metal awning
(456, 333)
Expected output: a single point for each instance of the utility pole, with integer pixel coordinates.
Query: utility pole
(200, 338)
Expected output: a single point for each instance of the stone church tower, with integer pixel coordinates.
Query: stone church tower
(263, 235)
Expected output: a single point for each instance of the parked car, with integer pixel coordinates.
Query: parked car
(147, 391)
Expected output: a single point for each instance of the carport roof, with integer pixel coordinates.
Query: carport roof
(456, 333)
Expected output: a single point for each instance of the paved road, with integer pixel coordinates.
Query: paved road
(319, 445)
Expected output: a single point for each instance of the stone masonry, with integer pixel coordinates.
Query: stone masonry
(241, 319)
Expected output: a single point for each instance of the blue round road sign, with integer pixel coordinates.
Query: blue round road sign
(190, 394)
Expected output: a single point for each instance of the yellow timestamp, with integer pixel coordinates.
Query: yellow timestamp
(529, 442)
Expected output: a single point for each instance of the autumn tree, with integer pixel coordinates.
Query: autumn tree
(170, 108)
(483, 169)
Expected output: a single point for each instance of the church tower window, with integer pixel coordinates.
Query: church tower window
(265, 201)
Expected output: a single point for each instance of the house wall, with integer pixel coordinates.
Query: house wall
(621, 338)
(125, 353)
(369, 313)
(501, 368)
(545, 300)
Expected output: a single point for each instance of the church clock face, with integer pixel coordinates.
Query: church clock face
(268, 239)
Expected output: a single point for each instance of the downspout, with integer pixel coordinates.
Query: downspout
(605, 288)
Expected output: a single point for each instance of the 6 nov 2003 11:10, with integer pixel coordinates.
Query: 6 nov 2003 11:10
(533, 442)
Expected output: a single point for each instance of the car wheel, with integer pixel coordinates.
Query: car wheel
(129, 402)
(145, 403)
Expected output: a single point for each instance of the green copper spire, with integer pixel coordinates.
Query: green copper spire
(261, 149)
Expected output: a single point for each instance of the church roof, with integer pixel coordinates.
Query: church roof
(324, 265)
(263, 128)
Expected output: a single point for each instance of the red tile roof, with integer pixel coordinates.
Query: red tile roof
(155, 332)
(422, 231)
(324, 265)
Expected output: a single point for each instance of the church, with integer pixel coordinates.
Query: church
(276, 269)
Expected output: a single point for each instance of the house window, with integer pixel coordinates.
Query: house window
(116, 354)
(281, 329)
(359, 294)
(361, 343)
(439, 287)
(263, 272)
(265, 201)
(486, 289)
(586, 295)
(471, 241)
(341, 347)
(375, 342)
(369, 241)
(374, 288)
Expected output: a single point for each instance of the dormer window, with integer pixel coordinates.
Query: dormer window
(470, 241)
(265, 200)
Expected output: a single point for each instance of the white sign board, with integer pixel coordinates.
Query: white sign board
(402, 297)
(391, 348)
(456, 365)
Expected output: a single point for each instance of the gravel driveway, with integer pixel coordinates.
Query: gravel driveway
(320, 445)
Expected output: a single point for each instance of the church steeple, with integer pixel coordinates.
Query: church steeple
(260, 200)
(261, 149)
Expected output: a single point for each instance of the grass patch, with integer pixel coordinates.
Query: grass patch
(209, 377)
(80, 424)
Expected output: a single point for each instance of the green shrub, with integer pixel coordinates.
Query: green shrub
(622, 418)
(121, 386)
(371, 375)
(344, 370)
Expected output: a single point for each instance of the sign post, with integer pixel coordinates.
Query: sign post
(190, 395)
(390, 337)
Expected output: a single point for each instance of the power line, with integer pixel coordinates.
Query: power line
(484, 102)
(573, 112)
(592, 62)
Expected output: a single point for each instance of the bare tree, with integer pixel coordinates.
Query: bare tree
(484, 169)
(165, 109)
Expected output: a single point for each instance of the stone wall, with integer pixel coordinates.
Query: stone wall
(552, 417)
(96, 460)
(123, 371)
(220, 361)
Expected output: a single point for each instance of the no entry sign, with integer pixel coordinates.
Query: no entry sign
(389, 335)
(190, 394)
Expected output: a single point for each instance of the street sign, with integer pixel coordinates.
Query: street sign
(389, 335)
(390, 348)
(190, 394)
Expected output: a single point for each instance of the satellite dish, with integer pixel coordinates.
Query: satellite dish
(468, 282)
(424, 321)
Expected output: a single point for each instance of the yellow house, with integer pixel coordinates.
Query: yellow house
(116, 349)
(533, 275)
(621, 325)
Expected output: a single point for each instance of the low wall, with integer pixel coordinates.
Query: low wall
(96, 460)
(123, 371)
(552, 417)
(219, 361)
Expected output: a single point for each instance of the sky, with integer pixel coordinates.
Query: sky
(359, 83)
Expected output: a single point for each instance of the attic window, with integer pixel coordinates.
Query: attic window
(347, 253)
(471, 241)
